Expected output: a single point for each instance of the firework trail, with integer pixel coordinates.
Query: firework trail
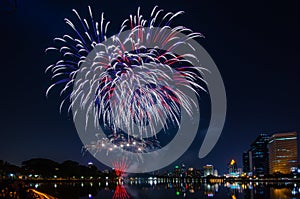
(132, 90)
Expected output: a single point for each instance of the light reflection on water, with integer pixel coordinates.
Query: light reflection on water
(168, 189)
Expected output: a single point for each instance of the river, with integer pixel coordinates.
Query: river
(156, 189)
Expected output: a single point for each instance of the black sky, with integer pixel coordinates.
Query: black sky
(255, 45)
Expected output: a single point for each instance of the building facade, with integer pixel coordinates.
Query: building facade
(232, 167)
(208, 170)
(259, 156)
(246, 161)
(283, 152)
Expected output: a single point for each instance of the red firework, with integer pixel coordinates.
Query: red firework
(120, 167)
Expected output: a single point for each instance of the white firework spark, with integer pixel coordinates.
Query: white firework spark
(131, 89)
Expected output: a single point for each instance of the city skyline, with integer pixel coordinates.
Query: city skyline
(255, 162)
(257, 55)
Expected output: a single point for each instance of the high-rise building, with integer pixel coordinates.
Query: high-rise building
(246, 161)
(208, 170)
(283, 152)
(260, 154)
(233, 170)
(232, 167)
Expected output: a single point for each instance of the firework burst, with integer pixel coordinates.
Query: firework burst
(133, 87)
(120, 167)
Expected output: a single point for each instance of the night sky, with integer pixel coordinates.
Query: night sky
(255, 45)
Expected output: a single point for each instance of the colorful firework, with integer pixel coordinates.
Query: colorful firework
(133, 91)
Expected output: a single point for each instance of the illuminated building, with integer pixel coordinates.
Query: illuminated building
(191, 172)
(208, 170)
(90, 165)
(232, 167)
(260, 154)
(233, 170)
(216, 173)
(283, 152)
